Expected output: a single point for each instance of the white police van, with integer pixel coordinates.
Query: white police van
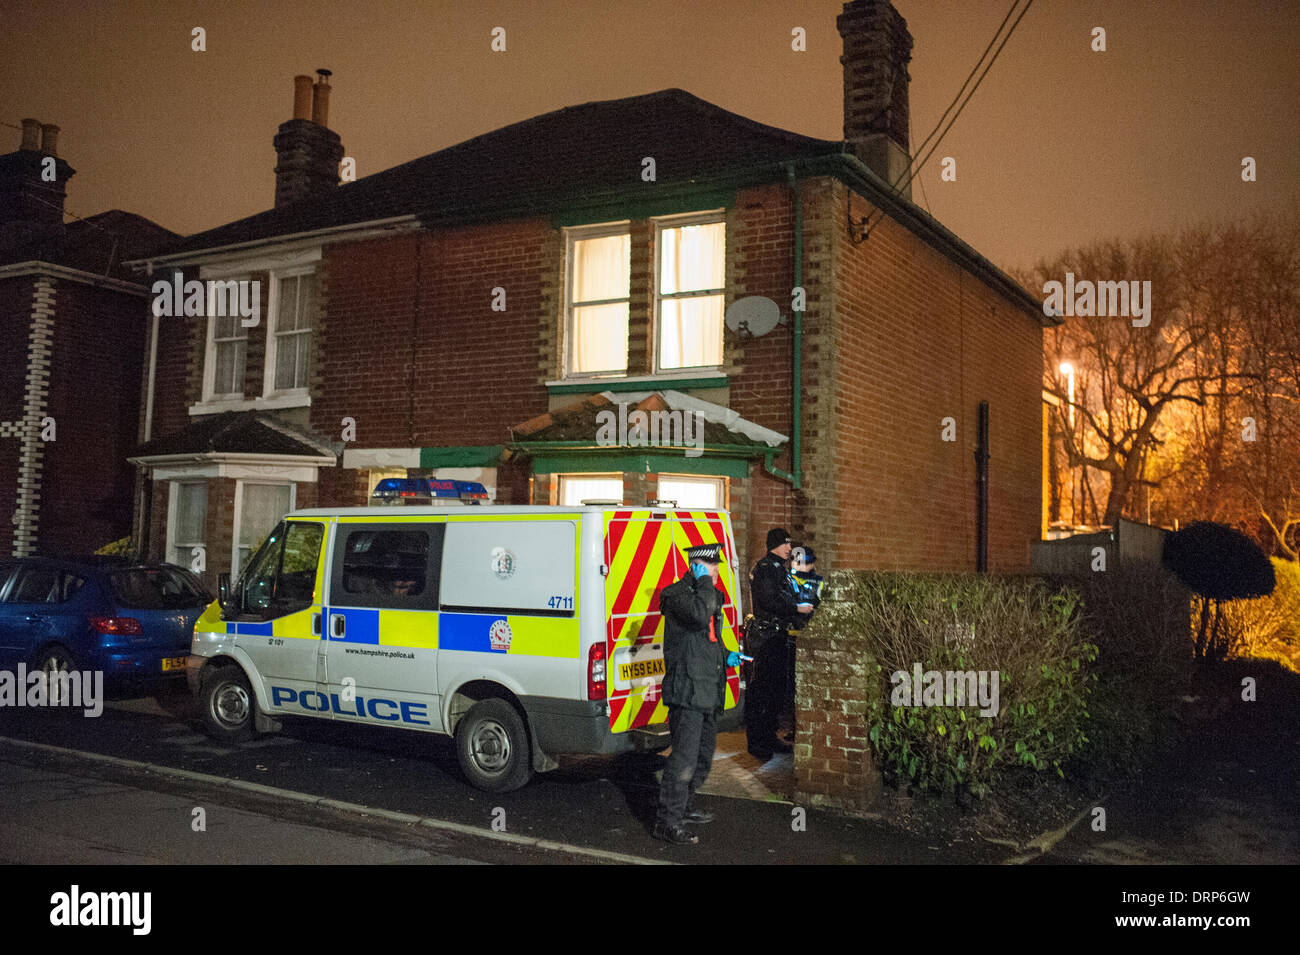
(524, 632)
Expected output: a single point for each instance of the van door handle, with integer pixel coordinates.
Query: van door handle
(315, 624)
(338, 625)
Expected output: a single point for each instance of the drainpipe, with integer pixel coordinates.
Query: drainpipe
(795, 475)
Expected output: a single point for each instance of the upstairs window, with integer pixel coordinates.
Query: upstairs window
(227, 354)
(598, 283)
(288, 350)
(691, 264)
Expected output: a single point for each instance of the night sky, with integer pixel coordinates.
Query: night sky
(1060, 146)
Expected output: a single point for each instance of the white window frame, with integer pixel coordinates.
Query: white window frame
(235, 568)
(585, 475)
(575, 234)
(173, 509)
(660, 223)
(273, 317)
(210, 355)
(719, 482)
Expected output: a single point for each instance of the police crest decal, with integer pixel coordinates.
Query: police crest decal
(503, 563)
(499, 634)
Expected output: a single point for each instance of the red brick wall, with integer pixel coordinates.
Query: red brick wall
(918, 340)
(95, 373)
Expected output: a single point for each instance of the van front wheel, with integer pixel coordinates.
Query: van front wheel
(492, 746)
(228, 704)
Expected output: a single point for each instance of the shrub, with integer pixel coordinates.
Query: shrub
(1268, 627)
(118, 548)
(1018, 628)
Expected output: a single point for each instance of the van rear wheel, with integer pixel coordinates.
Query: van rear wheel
(492, 746)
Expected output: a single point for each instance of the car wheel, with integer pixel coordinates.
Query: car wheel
(227, 703)
(53, 661)
(492, 746)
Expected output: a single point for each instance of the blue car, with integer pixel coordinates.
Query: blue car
(132, 621)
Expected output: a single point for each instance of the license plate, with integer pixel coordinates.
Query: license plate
(174, 663)
(640, 669)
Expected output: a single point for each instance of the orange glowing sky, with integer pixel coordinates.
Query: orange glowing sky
(1060, 146)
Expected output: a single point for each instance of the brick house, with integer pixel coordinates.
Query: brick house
(72, 333)
(458, 315)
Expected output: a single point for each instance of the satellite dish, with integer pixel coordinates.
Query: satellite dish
(755, 314)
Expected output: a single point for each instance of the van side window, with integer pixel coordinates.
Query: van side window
(281, 578)
(392, 567)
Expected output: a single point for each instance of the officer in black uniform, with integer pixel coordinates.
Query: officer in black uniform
(694, 688)
(776, 608)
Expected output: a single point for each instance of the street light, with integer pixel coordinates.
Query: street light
(1067, 368)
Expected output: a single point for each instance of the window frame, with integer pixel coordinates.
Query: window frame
(173, 514)
(658, 225)
(720, 482)
(274, 277)
(574, 234)
(235, 567)
(210, 351)
(592, 475)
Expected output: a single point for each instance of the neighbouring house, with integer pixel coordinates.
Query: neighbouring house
(73, 338)
(472, 313)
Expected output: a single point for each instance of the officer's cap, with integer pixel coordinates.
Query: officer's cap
(707, 553)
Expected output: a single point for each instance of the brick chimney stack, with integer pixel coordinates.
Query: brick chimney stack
(33, 182)
(877, 49)
(307, 152)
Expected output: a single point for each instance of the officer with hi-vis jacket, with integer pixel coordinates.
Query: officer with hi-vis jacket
(777, 608)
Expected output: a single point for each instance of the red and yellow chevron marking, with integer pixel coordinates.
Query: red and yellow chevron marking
(644, 551)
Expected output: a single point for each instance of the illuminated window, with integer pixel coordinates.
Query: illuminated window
(691, 493)
(576, 488)
(597, 299)
(691, 264)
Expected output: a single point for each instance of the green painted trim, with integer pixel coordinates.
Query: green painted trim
(617, 384)
(579, 463)
(635, 204)
(471, 456)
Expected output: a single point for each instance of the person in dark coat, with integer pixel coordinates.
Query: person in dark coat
(694, 688)
(777, 607)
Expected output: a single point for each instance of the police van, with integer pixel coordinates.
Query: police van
(524, 632)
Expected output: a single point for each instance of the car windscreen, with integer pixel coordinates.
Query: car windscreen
(156, 588)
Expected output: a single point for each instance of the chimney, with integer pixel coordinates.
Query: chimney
(877, 49)
(33, 182)
(307, 152)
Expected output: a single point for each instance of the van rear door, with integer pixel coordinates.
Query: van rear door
(645, 552)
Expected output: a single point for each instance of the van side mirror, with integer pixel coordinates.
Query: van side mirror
(223, 591)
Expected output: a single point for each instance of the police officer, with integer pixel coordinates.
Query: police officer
(694, 688)
(777, 607)
(808, 589)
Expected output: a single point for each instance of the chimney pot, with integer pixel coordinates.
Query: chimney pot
(302, 96)
(49, 139)
(320, 100)
(31, 135)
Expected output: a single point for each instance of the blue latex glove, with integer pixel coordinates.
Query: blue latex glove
(699, 570)
(733, 658)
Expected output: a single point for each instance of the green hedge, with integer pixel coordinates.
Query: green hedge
(1024, 631)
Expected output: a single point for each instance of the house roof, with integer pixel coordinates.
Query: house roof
(543, 161)
(553, 162)
(236, 432)
(98, 244)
